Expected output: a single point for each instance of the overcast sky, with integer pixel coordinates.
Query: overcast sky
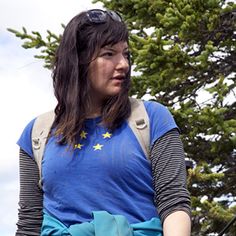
(25, 89)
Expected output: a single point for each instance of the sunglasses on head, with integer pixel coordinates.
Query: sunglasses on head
(98, 16)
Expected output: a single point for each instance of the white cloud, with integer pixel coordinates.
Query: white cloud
(40, 15)
(26, 88)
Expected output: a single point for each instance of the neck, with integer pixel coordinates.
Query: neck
(93, 115)
(95, 107)
(94, 111)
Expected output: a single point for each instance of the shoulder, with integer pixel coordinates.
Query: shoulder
(34, 127)
(161, 119)
(153, 107)
(24, 141)
(158, 111)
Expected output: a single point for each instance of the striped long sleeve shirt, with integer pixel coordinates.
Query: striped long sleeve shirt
(169, 183)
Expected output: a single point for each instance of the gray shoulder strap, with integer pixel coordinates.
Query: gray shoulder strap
(40, 131)
(139, 123)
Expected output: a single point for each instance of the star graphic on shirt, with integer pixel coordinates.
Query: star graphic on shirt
(107, 135)
(78, 146)
(83, 134)
(97, 147)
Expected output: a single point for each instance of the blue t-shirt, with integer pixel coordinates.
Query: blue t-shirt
(104, 171)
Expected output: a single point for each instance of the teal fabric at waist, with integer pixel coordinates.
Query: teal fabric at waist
(103, 224)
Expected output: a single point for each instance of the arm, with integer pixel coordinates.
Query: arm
(177, 223)
(169, 179)
(30, 211)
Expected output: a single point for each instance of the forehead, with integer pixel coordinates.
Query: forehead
(123, 45)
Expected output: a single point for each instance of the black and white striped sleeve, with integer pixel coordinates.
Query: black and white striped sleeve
(31, 198)
(169, 175)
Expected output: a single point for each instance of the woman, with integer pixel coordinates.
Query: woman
(96, 179)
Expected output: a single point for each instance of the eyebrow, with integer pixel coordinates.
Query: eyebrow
(110, 48)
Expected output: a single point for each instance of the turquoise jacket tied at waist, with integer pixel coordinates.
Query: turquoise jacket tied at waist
(103, 224)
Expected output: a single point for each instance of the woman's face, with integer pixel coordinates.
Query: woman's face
(107, 72)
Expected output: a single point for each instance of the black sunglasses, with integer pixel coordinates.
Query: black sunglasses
(98, 16)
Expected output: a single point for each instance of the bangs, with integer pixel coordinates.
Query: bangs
(112, 34)
(92, 37)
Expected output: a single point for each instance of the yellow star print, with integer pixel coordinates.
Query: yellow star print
(97, 147)
(83, 134)
(79, 146)
(106, 135)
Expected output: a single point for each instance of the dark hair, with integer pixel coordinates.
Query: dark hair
(80, 41)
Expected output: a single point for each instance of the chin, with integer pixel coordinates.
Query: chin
(115, 93)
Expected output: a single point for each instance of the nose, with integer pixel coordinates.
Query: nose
(122, 63)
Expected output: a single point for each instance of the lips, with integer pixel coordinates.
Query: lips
(118, 77)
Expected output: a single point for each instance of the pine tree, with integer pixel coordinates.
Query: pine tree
(184, 56)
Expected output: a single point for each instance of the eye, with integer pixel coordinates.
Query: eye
(107, 54)
(126, 54)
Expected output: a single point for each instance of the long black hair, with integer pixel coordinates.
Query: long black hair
(81, 40)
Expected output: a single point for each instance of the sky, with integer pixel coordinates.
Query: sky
(25, 86)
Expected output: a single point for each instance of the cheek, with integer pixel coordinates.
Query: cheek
(92, 72)
(100, 70)
(104, 71)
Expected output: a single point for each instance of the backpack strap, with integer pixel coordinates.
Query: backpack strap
(139, 123)
(39, 135)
